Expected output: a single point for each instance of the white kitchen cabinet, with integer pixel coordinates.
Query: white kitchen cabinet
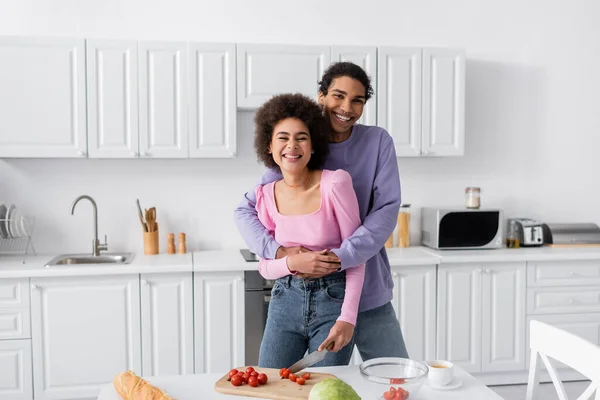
(264, 70)
(503, 317)
(43, 105)
(219, 321)
(443, 112)
(112, 93)
(459, 315)
(15, 370)
(365, 57)
(415, 305)
(163, 88)
(399, 97)
(85, 330)
(212, 100)
(167, 324)
(481, 316)
(420, 100)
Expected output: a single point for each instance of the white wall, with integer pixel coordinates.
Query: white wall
(532, 124)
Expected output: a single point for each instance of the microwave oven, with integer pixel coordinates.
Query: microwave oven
(462, 228)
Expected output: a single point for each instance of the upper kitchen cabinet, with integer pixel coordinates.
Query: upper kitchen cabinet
(42, 102)
(366, 57)
(212, 101)
(421, 100)
(163, 87)
(264, 70)
(112, 82)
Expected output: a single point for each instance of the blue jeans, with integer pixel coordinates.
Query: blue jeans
(378, 334)
(301, 313)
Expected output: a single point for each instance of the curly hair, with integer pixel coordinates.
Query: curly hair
(289, 105)
(345, 68)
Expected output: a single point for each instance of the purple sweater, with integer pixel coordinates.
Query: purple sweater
(368, 155)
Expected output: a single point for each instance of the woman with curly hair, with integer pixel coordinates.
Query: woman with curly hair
(308, 207)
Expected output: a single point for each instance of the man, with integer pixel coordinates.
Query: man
(367, 154)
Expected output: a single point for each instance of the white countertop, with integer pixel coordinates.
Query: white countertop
(194, 387)
(34, 266)
(521, 254)
(232, 260)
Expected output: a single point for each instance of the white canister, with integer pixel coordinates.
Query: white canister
(472, 197)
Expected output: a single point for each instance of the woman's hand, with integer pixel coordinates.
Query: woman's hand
(340, 335)
(313, 264)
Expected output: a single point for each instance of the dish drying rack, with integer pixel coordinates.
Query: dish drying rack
(19, 242)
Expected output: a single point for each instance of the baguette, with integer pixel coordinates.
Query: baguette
(132, 387)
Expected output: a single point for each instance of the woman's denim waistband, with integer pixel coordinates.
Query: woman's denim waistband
(318, 283)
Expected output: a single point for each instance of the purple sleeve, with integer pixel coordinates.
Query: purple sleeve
(256, 236)
(380, 222)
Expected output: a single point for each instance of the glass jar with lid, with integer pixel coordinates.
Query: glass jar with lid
(472, 197)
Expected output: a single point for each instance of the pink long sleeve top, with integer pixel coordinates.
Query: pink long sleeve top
(336, 219)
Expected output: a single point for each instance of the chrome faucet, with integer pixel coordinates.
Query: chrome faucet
(96, 246)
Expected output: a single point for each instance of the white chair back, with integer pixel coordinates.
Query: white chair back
(551, 342)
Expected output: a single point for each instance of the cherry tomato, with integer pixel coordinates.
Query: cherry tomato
(249, 370)
(236, 380)
(262, 379)
(232, 373)
(253, 381)
(281, 371)
(240, 373)
(245, 378)
(293, 377)
(306, 375)
(389, 395)
(253, 373)
(300, 380)
(286, 373)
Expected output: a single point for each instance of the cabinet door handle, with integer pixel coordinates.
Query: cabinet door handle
(135, 153)
(267, 299)
(395, 274)
(240, 279)
(34, 287)
(147, 154)
(487, 271)
(144, 282)
(81, 153)
(571, 300)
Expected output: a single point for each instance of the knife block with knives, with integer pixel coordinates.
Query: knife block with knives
(150, 229)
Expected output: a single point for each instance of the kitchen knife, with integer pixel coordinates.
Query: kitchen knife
(137, 201)
(308, 361)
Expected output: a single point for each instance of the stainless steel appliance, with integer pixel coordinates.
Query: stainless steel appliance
(529, 232)
(257, 297)
(460, 228)
(565, 234)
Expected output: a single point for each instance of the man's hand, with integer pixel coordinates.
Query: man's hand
(312, 264)
(315, 275)
(288, 251)
(340, 335)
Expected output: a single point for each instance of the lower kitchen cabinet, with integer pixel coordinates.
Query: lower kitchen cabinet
(414, 302)
(481, 316)
(219, 321)
(167, 324)
(85, 330)
(15, 370)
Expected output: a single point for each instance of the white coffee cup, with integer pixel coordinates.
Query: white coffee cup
(441, 372)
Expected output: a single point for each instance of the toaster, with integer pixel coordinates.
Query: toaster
(529, 231)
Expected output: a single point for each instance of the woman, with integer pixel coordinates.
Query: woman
(308, 207)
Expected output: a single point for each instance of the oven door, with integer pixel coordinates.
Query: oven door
(256, 308)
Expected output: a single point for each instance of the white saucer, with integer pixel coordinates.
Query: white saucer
(454, 384)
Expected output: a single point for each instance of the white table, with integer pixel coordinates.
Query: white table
(194, 387)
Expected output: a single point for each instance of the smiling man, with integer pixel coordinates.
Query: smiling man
(367, 154)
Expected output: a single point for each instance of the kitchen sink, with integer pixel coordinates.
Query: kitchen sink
(88, 259)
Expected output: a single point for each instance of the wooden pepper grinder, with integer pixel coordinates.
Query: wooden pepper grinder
(182, 247)
(171, 243)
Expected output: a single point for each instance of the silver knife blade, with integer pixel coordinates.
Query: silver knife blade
(308, 361)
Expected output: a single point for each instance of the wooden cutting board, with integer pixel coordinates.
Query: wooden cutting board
(275, 388)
